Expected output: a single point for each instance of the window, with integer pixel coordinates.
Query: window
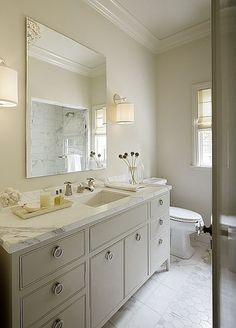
(202, 121)
(99, 145)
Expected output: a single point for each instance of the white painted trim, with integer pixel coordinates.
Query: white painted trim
(120, 17)
(188, 35)
(55, 59)
(125, 21)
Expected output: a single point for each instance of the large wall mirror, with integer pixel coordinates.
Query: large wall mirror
(66, 104)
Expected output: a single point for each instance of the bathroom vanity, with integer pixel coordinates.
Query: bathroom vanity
(76, 268)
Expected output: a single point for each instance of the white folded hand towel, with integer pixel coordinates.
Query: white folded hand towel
(123, 186)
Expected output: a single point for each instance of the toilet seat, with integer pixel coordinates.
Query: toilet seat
(183, 215)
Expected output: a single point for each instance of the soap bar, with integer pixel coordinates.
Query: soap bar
(45, 199)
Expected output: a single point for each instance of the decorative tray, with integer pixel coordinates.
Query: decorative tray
(21, 212)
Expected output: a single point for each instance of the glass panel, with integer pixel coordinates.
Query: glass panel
(205, 147)
(100, 146)
(204, 109)
(204, 95)
(100, 120)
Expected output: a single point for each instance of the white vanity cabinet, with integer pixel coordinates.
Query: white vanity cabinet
(81, 279)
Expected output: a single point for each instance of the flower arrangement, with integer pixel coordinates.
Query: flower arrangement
(9, 197)
(96, 158)
(131, 162)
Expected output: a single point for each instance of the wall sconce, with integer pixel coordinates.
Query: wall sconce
(8, 86)
(124, 110)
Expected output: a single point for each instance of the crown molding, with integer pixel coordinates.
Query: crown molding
(54, 59)
(125, 21)
(188, 35)
(120, 17)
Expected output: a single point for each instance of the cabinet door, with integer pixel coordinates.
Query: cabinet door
(107, 282)
(160, 250)
(136, 263)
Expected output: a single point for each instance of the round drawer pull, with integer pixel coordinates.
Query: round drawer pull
(109, 255)
(58, 288)
(58, 323)
(138, 237)
(161, 222)
(161, 202)
(160, 241)
(57, 252)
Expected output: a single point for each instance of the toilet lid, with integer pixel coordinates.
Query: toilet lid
(181, 214)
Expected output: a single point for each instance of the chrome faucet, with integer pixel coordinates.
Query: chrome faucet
(68, 191)
(90, 186)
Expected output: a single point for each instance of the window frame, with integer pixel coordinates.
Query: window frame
(94, 132)
(195, 145)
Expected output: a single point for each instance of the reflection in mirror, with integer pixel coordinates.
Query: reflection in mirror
(66, 104)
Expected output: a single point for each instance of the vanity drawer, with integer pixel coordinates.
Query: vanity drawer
(50, 296)
(104, 232)
(160, 250)
(45, 260)
(160, 225)
(160, 206)
(73, 316)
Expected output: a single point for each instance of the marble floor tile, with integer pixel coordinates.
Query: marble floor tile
(180, 298)
(134, 314)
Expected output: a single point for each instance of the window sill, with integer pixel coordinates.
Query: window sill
(201, 167)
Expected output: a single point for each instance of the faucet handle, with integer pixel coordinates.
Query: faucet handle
(67, 183)
(80, 188)
(91, 183)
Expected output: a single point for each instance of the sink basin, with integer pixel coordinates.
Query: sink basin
(101, 198)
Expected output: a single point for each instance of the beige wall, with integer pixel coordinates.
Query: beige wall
(130, 72)
(177, 70)
(98, 90)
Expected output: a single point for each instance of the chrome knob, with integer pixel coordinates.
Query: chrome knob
(161, 222)
(109, 255)
(160, 241)
(57, 288)
(57, 252)
(161, 202)
(138, 237)
(58, 323)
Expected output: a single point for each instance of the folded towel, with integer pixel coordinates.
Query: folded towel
(73, 162)
(123, 186)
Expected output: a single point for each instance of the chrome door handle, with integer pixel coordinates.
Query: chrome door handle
(57, 288)
(161, 222)
(161, 202)
(58, 323)
(160, 241)
(109, 255)
(57, 252)
(138, 237)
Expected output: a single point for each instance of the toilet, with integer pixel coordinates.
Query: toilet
(182, 224)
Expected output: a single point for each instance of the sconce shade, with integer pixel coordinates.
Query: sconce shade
(124, 113)
(8, 87)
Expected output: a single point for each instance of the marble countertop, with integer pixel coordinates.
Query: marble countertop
(17, 234)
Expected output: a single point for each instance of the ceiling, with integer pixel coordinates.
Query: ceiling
(158, 24)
